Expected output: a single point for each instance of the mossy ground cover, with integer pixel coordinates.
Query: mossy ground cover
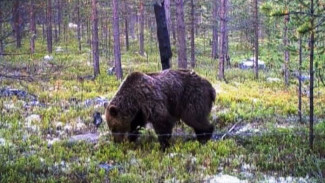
(26, 156)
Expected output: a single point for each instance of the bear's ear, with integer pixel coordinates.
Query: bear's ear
(105, 105)
(113, 111)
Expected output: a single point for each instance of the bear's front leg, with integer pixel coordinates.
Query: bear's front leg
(137, 123)
(164, 133)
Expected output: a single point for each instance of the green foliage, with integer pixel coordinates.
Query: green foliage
(304, 28)
(28, 156)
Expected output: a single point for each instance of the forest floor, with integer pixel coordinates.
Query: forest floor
(46, 130)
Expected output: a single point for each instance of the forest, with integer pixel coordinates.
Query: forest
(62, 62)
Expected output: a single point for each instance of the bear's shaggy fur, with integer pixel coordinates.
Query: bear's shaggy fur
(161, 98)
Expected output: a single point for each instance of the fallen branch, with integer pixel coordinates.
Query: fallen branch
(19, 77)
(231, 129)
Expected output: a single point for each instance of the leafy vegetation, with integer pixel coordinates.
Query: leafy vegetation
(27, 153)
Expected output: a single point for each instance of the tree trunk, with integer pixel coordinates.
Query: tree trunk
(300, 94)
(223, 30)
(109, 43)
(49, 26)
(182, 57)
(286, 51)
(94, 19)
(79, 25)
(17, 23)
(214, 50)
(43, 25)
(117, 50)
(55, 23)
(32, 27)
(59, 18)
(227, 61)
(163, 36)
(167, 12)
(173, 30)
(311, 72)
(141, 21)
(106, 37)
(1, 32)
(192, 35)
(256, 39)
(133, 20)
(126, 25)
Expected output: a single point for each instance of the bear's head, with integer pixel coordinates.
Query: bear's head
(118, 122)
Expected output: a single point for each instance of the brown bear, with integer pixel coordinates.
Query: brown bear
(162, 98)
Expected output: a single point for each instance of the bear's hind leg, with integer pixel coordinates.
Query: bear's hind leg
(203, 129)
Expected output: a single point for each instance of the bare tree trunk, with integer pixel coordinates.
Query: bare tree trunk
(167, 12)
(43, 25)
(214, 50)
(109, 43)
(163, 36)
(55, 22)
(132, 24)
(286, 51)
(94, 19)
(88, 31)
(256, 39)
(79, 25)
(32, 27)
(192, 35)
(173, 29)
(311, 72)
(117, 50)
(49, 26)
(126, 25)
(182, 57)
(227, 61)
(17, 22)
(141, 21)
(300, 94)
(223, 30)
(59, 18)
(1, 32)
(106, 36)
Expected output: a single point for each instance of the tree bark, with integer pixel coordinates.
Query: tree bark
(173, 29)
(79, 25)
(311, 72)
(182, 57)
(94, 19)
(300, 94)
(17, 23)
(126, 25)
(286, 51)
(141, 21)
(32, 27)
(55, 22)
(193, 62)
(163, 36)
(133, 20)
(59, 19)
(1, 32)
(43, 24)
(167, 12)
(49, 26)
(223, 30)
(117, 50)
(256, 39)
(214, 50)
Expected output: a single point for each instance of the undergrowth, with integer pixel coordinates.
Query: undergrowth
(26, 155)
